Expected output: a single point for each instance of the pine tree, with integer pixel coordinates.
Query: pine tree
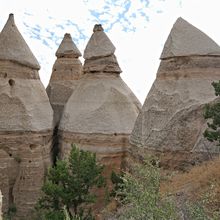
(69, 184)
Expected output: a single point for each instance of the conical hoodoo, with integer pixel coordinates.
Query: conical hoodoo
(66, 71)
(171, 120)
(100, 114)
(25, 123)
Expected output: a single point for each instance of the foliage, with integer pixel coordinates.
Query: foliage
(140, 197)
(198, 211)
(117, 180)
(10, 213)
(69, 185)
(212, 112)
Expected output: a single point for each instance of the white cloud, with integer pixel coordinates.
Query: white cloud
(137, 52)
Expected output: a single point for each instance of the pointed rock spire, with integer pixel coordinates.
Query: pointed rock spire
(172, 117)
(66, 72)
(187, 40)
(99, 53)
(26, 120)
(99, 44)
(101, 112)
(67, 48)
(13, 46)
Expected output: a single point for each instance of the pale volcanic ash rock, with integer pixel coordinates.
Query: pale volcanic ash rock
(67, 70)
(25, 123)
(171, 119)
(100, 114)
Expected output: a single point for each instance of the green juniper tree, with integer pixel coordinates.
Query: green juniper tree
(68, 186)
(212, 112)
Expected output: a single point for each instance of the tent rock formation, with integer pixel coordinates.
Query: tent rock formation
(25, 123)
(100, 114)
(171, 119)
(66, 72)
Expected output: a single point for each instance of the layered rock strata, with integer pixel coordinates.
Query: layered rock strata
(66, 72)
(25, 124)
(100, 114)
(171, 120)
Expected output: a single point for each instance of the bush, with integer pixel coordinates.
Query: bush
(139, 194)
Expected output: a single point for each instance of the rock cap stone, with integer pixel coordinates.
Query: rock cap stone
(68, 48)
(99, 44)
(187, 40)
(13, 46)
(98, 27)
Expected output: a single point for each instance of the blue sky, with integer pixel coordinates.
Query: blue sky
(138, 29)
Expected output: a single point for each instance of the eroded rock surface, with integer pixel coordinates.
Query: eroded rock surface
(14, 47)
(187, 40)
(99, 44)
(25, 124)
(100, 114)
(67, 70)
(171, 119)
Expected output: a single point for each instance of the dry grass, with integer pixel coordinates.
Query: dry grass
(201, 182)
